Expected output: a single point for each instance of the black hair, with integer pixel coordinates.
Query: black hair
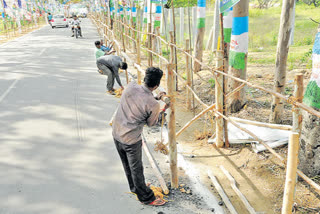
(153, 77)
(123, 65)
(97, 43)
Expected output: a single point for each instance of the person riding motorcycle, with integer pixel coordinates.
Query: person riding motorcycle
(75, 23)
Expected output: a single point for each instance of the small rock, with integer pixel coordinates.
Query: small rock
(188, 192)
(258, 76)
(167, 161)
(212, 210)
(160, 212)
(220, 203)
(182, 185)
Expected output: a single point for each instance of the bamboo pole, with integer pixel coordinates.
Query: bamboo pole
(291, 174)
(188, 71)
(222, 193)
(195, 118)
(236, 189)
(172, 128)
(219, 101)
(296, 112)
(149, 46)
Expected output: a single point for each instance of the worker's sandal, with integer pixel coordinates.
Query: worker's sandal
(111, 92)
(157, 202)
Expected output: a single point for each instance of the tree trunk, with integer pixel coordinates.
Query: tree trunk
(281, 59)
(238, 54)
(310, 133)
(201, 30)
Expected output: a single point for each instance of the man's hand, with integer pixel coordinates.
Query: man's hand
(122, 87)
(100, 71)
(160, 95)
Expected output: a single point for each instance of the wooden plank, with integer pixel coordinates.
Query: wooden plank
(221, 192)
(238, 192)
(291, 174)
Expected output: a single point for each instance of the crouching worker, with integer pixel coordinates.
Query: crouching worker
(102, 50)
(109, 65)
(137, 107)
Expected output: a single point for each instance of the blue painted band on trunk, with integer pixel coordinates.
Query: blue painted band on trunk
(240, 25)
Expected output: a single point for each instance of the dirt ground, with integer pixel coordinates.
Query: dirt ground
(258, 176)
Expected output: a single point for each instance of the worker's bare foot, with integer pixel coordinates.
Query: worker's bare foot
(157, 202)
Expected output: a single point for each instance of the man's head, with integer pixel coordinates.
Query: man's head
(74, 17)
(123, 65)
(98, 44)
(153, 77)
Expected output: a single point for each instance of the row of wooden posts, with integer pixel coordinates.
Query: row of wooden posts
(11, 29)
(125, 32)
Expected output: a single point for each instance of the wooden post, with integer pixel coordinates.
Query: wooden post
(189, 74)
(291, 174)
(159, 47)
(219, 101)
(172, 128)
(181, 25)
(296, 112)
(281, 59)
(149, 45)
(171, 48)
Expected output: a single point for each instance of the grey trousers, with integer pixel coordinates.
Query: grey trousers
(111, 76)
(131, 158)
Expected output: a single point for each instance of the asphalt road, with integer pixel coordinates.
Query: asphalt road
(56, 149)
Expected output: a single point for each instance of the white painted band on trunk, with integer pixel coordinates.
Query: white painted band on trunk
(227, 20)
(239, 43)
(201, 12)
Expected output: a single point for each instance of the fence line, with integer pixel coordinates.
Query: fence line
(290, 99)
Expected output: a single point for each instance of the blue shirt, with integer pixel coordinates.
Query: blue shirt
(104, 48)
(50, 17)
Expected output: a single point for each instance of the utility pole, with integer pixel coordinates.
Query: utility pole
(238, 53)
(281, 59)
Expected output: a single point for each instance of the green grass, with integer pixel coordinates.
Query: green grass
(263, 35)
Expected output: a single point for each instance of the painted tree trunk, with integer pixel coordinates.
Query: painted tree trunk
(310, 134)
(238, 54)
(201, 14)
(281, 59)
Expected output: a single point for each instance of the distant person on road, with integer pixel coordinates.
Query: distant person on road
(75, 23)
(109, 65)
(49, 19)
(100, 51)
(138, 107)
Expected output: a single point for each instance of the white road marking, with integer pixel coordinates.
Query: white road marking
(8, 90)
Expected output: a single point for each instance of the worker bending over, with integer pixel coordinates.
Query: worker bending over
(137, 107)
(109, 65)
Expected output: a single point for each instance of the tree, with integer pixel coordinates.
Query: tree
(310, 133)
(238, 53)
(281, 59)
